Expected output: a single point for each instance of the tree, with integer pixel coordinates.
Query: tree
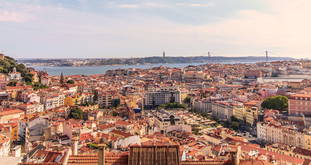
(235, 125)
(37, 86)
(12, 83)
(172, 106)
(92, 146)
(187, 100)
(95, 96)
(28, 78)
(115, 113)
(115, 102)
(61, 80)
(275, 102)
(76, 113)
(70, 82)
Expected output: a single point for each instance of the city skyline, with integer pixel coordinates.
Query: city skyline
(142, 28)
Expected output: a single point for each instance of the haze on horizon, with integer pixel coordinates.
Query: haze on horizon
(140, 28)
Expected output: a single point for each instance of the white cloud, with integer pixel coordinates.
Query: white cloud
(162, 5)
(283, 29)
(195, 4)
(143, 5)
(131, 6)
(9, 16)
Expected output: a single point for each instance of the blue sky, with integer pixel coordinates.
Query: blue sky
(138, 28)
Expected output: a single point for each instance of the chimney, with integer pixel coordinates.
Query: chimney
(75, 143)
(237, 156)
(101, 154)
(67, 154)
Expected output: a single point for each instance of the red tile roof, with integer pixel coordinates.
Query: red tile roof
(110, 159)
(10, 112)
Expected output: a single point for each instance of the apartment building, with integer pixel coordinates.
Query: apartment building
(251, 115)
(30, 108)
(283, 134)
(299, 104)
(163, 96)
(202, 106)
(105, 98)
(9, 114)
(247, 114)
(239, 113)
(5, 145)
(53, 101)
(223, 110)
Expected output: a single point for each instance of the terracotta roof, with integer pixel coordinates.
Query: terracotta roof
(247, 148)
(110, 159)
(10, 112)
(254, 162)
(211, 162)
(301, 95)
(124, 134)
(46, 163)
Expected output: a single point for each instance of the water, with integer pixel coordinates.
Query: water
(89, 70)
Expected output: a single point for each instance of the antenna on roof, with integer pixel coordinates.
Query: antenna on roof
(267, 55)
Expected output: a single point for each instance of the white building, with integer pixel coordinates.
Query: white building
(163, 119)
(14, 75)
(222, 110)
(125, 142)
(30, 108)
(163, 96)
(202, 106)
(4, 145)
(51, 102)
(277, 133)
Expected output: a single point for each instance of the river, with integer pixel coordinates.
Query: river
(89, 70)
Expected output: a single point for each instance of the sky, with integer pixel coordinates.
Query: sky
(140, 28)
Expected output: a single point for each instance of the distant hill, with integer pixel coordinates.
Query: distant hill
(147, 60)
(7, 64)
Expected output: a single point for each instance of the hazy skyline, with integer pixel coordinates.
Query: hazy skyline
(139, 28)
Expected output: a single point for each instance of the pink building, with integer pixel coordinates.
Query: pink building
(299, 104)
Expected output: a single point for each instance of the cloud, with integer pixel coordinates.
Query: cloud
(195, 4)
(280, 27)
(66, 32)
(9, 16)
(130, 6)
(142, 5)
(163, 5)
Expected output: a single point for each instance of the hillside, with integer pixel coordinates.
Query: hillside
(7, 64)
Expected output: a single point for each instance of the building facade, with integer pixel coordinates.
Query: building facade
(276, 133)
(202, 106)
(162, 96)
(299, 104)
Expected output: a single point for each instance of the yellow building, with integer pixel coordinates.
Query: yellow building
(6, 116)
(239, 113)
(183, 94)
(35, 77)
(251, 115)
(307, 141)
(68, 101)
(246, 114)
(14, 132)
